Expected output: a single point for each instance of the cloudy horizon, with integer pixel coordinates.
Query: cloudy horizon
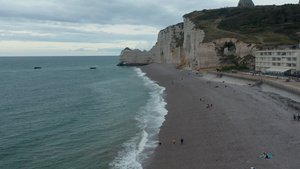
(92, 27)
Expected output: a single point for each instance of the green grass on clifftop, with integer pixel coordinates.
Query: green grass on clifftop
(265, 25)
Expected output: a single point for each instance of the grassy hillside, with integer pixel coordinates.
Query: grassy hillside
(265, 25)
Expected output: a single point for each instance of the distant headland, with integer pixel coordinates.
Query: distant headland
(207, 37)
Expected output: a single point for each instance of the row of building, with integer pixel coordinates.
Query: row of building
(278, 62)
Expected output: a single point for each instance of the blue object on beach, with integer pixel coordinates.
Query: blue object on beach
(269, 156)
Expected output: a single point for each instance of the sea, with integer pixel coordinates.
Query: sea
(68, 116)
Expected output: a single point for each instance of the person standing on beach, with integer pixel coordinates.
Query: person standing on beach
(181, 140)
(174, 141)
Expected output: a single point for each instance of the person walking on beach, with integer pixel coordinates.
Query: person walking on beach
(181, 140)
(294, 116)
(264, 155)
(174, 141)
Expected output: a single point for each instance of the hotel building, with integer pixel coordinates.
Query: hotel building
(278, 62)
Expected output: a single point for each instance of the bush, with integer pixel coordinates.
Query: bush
(229, 68)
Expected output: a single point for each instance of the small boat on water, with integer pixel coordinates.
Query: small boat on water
(93, 68)
(37, 67)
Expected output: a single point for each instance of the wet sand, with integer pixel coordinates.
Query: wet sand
(242, 123)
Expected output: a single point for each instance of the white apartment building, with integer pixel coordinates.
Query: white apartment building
(278, 61)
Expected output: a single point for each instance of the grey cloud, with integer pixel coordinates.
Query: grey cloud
(60, 32)
(104, 12)
(58, 19)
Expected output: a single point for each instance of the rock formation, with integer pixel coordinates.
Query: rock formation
(182, 45)
(245, 3)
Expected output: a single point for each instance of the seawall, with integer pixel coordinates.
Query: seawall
(283, 86)
(279, 84)
(234, 75)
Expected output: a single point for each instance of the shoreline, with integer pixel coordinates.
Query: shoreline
(242, 123)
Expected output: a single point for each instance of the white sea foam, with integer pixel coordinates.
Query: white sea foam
(150, 118)
(127, 157)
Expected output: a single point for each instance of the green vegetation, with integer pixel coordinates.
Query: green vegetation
(179, 40)
(266, 25)
(229, 68)
(247, 60)
(231, 61)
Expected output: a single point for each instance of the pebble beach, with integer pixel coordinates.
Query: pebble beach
(240, 124)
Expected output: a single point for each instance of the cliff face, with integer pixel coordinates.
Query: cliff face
(182, 45)
(166, 50)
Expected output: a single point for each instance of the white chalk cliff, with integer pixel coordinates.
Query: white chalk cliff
(182, 45)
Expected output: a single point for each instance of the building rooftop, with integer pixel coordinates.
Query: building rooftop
(282, 47)
(245, 3)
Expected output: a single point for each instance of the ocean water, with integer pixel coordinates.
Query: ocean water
(66, 115)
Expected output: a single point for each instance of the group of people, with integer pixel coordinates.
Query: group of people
(207, 105)
(297, 117)
(174, 141)
(181, 141)
(265, 155)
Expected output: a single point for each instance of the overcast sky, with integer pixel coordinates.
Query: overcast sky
(93, 27)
